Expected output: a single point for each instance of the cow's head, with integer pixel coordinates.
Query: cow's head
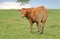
(23, 11)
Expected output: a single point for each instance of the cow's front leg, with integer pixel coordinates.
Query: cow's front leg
(30, 25)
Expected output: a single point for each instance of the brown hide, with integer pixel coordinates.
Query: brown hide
(36, 15)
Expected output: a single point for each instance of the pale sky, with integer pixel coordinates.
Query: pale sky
(48, 3)
(51, 4)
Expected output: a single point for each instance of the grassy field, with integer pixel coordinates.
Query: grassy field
(12, 26)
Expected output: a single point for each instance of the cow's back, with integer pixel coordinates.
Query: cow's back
(39, 13)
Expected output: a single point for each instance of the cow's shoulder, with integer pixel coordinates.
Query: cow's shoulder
(29, 10)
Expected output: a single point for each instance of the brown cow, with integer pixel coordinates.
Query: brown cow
(36, 15)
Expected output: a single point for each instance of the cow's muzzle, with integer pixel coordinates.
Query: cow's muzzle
(22, 16)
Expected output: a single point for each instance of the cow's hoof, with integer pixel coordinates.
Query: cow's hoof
(40, 32)
(31, 31)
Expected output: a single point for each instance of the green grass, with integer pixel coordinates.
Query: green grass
(12, 26)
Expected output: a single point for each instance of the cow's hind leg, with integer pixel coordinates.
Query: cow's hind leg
(30, 25)
(42, 25)
(39, 28)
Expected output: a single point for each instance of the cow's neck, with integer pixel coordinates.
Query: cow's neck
(28, 16)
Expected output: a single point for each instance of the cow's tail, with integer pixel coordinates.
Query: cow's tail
(44, 15)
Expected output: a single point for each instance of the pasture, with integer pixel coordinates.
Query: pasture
(12, 26)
